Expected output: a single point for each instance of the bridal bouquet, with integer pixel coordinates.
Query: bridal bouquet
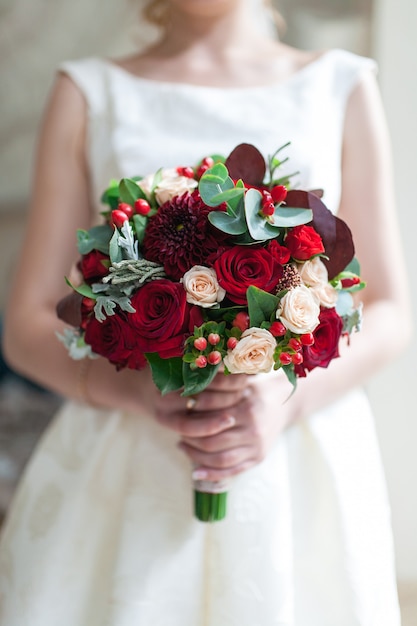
(214, 268)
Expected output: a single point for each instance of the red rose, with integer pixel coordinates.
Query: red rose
(304, 242)
(94, 265)
(326, 343)
(115, 339)
(241, 266)
(161, 321)
(280, 253)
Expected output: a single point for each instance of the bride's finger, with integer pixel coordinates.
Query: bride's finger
(223, 460)
(201, 426)
(215, 475)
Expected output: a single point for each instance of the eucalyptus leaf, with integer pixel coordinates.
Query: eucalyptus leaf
(166, 373)
(214, 182)
(353, 267)
(228, 195)
(288, 217)
(232, 225)
(257, 225)
(96, 238)
(261, 305)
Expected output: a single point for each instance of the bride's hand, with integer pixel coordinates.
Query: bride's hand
(233, 424)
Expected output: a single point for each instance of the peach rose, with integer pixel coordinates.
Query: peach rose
(172, 184)
(314, 274)
(202, 286)
(253, 354)
(299, 310)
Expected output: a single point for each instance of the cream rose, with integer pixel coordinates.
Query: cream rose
(253, 354)
(171, 184)
(202, 286)
(299, 310)
(314, 274)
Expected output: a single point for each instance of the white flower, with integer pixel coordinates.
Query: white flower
(253, 354)
(202, 286)
(171, 184)
(299, 310)
(314, 274)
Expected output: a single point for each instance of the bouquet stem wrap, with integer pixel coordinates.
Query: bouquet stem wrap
(210, 500)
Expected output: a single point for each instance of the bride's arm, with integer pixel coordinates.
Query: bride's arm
(368, 206)
(60, 203)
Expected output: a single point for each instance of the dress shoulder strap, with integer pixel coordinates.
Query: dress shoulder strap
(348, 68)
(90, 77)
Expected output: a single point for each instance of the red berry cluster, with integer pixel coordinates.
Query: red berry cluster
(271, 198)
(125, 211)
(214, 357)
(197, 173)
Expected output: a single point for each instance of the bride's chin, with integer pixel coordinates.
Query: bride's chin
(207, 8)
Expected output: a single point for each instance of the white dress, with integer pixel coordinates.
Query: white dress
(101, 532)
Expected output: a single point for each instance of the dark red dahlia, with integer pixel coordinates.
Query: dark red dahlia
(180, 235)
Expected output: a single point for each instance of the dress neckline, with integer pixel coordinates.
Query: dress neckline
(165, 84)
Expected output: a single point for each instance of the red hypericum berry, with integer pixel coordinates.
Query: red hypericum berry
(266, 195)
(307, 339)
(350, 282)
(207, 161)
(241, 321)
(214, 357)
(285, 358)
(142, 206)
(295, 344)
(118, 218)
(89, 303)
(278, 193)
(201, 361)
(297, 358)
(268, 208)
(232, 343)
(213, 339)
(201, 170)
(188, 172)
(277, 329)
(200, 343)
(126, 208)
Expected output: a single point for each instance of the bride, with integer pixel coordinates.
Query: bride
(101, 530)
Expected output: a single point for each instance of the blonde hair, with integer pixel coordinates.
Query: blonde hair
(156, 12)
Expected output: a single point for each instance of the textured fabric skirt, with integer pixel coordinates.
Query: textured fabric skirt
(101, 531)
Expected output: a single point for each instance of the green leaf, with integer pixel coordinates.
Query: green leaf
(83, 289)
(228, 195)
(129, 191)
(259, 228)
(140, 222)
(196, 380)
(232, 225)
(166, 373)
(111, 195)
(215, 181)
(288, 217)
(353, 267)
(96, 238)
(261, 305)
(115, 251)
(292, 378)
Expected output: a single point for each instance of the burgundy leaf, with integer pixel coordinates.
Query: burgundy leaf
(335, 233)
(68, 309)
(247, 163)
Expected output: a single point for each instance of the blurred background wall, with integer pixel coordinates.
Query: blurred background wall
(36, 36)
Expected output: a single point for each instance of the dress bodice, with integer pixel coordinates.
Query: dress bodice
(138, 125)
